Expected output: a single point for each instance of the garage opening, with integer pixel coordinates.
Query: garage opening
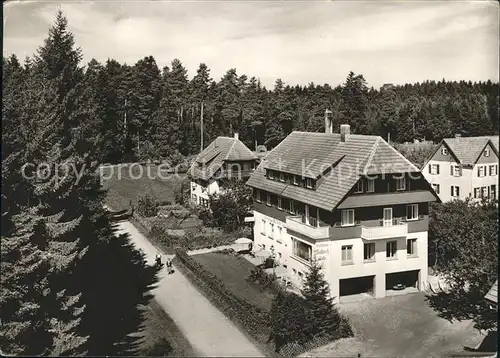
(404, 282)
(358, 287)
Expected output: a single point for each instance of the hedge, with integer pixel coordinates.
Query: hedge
(250, 319)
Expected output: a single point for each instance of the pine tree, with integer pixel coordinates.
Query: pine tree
(322, 317)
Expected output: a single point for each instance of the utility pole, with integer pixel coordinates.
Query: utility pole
(125, 117)
(201, 122)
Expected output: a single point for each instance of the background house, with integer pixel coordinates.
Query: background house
(225, 158)
(464, 167)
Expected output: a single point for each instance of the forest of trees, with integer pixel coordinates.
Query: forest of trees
(143, 112)
(69, 285)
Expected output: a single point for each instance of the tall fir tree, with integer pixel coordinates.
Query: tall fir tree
(322, 318)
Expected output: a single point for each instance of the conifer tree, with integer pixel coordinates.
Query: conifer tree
(322, 317)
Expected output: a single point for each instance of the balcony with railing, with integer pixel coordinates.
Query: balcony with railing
(308, 226)
(385, 230)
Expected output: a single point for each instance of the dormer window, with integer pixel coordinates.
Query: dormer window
(400, 184)
(271, 174)
(309, 183)
(444, 151)
(295, 180)
(486, 152)
(359, 186)
(282, 176)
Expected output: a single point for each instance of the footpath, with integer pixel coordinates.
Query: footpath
(204, 326)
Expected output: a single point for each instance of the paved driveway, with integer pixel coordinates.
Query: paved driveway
(205, 327)
(400, 326)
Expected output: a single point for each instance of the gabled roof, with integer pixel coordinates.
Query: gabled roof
(222, 149)
(468, 149)
(492, 294)
(307, 154)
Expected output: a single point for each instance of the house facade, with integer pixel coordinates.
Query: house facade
(350, 202)
(464, 167)
(224, 159)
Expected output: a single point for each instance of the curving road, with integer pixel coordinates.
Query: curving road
(205, 327)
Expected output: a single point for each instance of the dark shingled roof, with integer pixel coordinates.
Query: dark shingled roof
(468, 149)
(310, 154)
(222, 149)
(492, 294)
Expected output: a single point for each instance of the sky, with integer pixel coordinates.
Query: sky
(300, 42)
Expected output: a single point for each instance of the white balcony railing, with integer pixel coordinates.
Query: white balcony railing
(297, 224)
(396, 229)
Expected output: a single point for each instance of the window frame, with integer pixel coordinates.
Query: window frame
(415, 212)
(348, 249)
(487, 152)
(309, 183)
(399, 181)
(257, 196)
(434, 187)
(271, 232)
(346, 211)
(279, 203)
(444, 151)
(359, 186)
(268, 199)
(271, 174)
(412, 242)
(370, 185)
(453, 195)
(295, 244)
(395, 253)
(436, 167)
(263, 227)
(282, 177)
(295, 180)
(365, 251)
(292, 209)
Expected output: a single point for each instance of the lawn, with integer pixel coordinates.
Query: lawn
(160, 336)
(126, 184)
(400, 326)
(232, 270)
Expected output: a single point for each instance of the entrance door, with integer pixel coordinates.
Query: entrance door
(387, 216)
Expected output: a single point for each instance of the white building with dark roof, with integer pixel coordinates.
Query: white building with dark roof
(224, 159)
(351, 202)
(464, 167)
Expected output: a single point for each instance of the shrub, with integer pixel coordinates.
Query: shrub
(264, 280)
(148, 206)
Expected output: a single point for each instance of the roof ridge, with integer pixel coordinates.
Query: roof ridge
(230, 149)
(372, 153)
(401, 155)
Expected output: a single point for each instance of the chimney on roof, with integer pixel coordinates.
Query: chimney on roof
(345, 131)
(458, 135)
(328, 121)
(236, 136)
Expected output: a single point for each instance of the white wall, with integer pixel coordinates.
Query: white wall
(203, 192)
(332, 256)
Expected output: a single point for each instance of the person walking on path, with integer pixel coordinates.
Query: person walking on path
(158, 259)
